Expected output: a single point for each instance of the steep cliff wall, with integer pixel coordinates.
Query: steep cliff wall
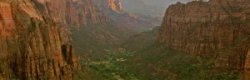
(217, 27)
(82, 19)
(32, 46)
(71, 12)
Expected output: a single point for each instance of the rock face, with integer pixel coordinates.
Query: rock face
(115, 5)
(82, 19)
(33, 46)
(71, 12)
(217, 27)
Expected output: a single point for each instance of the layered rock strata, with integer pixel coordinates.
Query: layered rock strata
(217, 27)
(32, 46)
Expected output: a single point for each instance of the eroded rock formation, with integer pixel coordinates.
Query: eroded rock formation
(217, 27)
(115, 5)
(71, 12)
(33, 46)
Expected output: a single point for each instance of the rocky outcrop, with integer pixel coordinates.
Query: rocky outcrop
(32, 46)
(217, 27)
(71, 12)
(115, 5)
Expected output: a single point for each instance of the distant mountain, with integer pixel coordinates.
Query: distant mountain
(153, 8)
(115, 10)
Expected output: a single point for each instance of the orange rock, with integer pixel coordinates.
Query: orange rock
(115, 5)
(217, 27)
(30, 44)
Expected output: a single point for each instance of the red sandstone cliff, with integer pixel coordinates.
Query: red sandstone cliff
(32, 46)
(217, 27)
(71, 12)
(83, 19)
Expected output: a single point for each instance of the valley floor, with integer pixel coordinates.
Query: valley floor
(153, 63)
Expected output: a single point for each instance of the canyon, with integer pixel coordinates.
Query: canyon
(219, 28)
(36, 35)
(107, 39)
(115, 10)
(36, 38)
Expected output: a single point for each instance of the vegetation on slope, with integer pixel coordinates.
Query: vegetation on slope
(153, 62)
(159, 62)
(156, 62)
(95, 40)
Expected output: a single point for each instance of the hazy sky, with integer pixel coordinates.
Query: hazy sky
(155, 8)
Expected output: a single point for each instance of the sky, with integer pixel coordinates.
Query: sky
(154, 8)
